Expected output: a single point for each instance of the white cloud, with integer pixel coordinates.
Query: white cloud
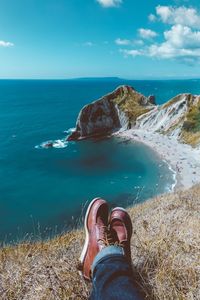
(109, 3)
(152, 18)
(179, 15)
(132, 52)
(6, 44)
(147, 33)
(164, 12)
(88, 44)
(180, 42)
(180, 36)
(122, 42)
(165, 50)
(125, 42)
(138, 42)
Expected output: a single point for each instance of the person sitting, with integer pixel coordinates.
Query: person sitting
(106, 255)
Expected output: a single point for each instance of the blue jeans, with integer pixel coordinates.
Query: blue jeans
(112, 276)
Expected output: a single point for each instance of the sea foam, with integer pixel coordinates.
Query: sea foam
(59, 143)
(52, 144)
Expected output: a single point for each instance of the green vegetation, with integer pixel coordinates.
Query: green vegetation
(191, 126)
(192, 122)
(190, 138)
(134, 111)
(133, 104)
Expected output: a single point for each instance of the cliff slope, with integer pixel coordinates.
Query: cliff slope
(165, 254)
(111, 112)
(179, 117)
(126, 108)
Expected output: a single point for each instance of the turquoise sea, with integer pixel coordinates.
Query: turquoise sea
(45, 191)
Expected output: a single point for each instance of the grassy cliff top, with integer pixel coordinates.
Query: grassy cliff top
(191, 126)
(131, 102)
(165, 253)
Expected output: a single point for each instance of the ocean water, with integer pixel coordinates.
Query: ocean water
(45, 191)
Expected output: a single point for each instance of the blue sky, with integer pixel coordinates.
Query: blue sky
(85, 38)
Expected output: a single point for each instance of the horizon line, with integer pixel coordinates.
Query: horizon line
(108, 77)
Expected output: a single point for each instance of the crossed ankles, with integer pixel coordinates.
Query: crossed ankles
(103, 230)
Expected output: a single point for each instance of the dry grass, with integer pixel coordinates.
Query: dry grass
(166, 245)
(171, 101)
(165, 252)
(132, 104)
(190, 138)
(43, 270)
(190, 121)
(191, 126)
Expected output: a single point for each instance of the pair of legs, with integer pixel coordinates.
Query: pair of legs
(106, 255)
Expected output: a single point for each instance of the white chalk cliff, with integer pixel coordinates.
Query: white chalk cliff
(126, 108)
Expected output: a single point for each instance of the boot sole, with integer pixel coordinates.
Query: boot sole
(85, 247)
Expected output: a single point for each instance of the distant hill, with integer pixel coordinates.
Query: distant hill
(98, 78)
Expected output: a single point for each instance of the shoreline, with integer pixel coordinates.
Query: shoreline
(182, 159)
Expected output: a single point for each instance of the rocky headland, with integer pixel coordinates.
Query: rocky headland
(171, 129)
(121, 108)
(126, 108)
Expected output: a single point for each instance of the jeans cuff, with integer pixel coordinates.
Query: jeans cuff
(106, 252)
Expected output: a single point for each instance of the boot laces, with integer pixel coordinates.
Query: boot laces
(107, 238)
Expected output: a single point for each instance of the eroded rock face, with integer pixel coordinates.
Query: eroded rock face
(109, 113)
(179, 117)
(165, 118)
(98, 118)
(126, 108)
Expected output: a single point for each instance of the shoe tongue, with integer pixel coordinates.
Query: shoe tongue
(120, 230)
(100, 221)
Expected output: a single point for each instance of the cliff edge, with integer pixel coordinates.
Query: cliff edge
(165, 255)
(126, 108)
(111, 112)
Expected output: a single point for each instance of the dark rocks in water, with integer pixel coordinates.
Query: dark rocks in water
(111, 112)
(48, 145)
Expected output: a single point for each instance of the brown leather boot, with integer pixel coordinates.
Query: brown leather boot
(121, 229)
(96, 222)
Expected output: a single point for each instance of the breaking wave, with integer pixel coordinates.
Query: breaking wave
(59, 143)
